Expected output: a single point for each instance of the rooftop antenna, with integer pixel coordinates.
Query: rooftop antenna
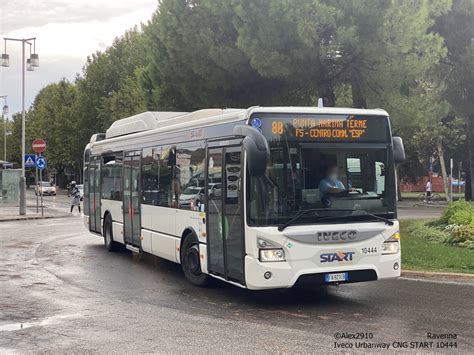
(320, 102)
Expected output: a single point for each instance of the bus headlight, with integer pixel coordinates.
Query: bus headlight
(391, 245)
(271, 255)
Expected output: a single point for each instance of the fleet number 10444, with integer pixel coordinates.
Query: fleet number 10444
(369, 250)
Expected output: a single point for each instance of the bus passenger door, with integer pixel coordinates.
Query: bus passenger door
(131, 198)
(94, 193)
(224, 213)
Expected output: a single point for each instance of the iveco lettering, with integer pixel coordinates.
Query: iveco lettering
(337, 235)
(260, 197)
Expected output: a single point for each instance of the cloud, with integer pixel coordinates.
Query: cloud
(17, 14)
(51, 70)
(67, 31)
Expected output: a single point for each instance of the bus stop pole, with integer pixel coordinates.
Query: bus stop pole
(41, 179)
(37, 189)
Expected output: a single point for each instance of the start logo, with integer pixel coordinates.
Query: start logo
(340, 256)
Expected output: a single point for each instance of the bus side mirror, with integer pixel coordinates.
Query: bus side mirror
(398, 150)
(256, 146)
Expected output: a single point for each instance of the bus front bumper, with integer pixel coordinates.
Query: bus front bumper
(267, 275)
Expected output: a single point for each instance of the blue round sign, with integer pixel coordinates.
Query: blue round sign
(256, 122)
(41, 163)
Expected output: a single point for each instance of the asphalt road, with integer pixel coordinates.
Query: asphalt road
(62, 291)
(409, 209)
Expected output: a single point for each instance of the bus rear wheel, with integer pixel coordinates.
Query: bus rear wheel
(191, 261)
(110, 245)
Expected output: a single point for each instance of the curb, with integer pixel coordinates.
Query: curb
(19, 218)
(431, 275)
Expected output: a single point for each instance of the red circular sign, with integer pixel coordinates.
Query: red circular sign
(39, 145)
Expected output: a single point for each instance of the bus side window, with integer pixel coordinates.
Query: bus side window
(190, 159)
(111, 182)
(150, 176)
(165, 166)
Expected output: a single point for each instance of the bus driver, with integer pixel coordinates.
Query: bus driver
(330, 185)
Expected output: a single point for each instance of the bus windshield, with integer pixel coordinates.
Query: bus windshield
(326, 164)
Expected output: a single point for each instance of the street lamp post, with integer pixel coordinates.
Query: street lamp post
(4, 119)
(33, 62)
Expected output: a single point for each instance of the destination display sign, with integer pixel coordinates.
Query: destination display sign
(339, 128)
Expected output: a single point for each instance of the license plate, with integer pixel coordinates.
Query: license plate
(342, 276)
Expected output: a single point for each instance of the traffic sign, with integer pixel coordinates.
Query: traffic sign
(39, 145)
(30, 160)
(41, 162)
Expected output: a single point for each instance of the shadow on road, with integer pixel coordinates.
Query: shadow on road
(218, 294)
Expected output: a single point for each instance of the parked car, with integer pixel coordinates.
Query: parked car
(191, 193)
(45, 188)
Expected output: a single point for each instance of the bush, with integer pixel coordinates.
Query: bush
(428, 232)
(461, 218)
(458, 211)
(464, 235)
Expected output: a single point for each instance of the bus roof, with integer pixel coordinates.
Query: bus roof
(170, 121)
(316, 110)
(151, 120)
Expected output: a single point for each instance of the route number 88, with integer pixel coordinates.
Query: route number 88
(277, 127)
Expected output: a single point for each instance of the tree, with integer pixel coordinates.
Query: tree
(440, 141)
(241, 53)
(14, 140)
(51, 118)
(376, 48)
(458, 69)
(112, 74)
(108, 89)
(194, 60)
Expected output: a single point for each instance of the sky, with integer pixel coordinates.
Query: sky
(66, 32)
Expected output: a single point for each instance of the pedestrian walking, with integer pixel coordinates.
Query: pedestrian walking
(428, 190)
(76, 197)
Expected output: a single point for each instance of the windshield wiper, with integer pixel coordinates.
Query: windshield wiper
(364, 213)
(302, 213)
(386, 220)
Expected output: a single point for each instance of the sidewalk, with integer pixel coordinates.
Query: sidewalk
(9, 212)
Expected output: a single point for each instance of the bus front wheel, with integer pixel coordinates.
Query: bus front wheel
(191, 261)
(110, 245)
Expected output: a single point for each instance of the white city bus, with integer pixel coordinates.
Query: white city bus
(242, 195)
